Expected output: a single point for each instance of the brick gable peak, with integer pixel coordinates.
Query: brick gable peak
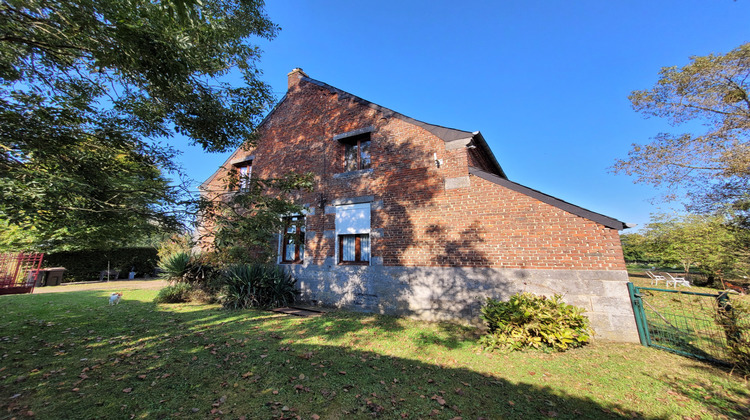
(446, 134)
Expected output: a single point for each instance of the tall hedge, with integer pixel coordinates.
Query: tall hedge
(86, 265)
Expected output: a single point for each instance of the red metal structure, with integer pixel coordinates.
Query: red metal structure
(19, 272)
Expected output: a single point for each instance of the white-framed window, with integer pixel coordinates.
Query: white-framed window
(353, 234)
(354, 249)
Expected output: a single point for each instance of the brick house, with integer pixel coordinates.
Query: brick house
(417, 219)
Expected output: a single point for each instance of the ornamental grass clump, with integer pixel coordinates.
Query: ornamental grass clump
(194, 269)
(530, 321)
(257, 285)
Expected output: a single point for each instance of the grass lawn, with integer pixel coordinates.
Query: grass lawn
(71, 355)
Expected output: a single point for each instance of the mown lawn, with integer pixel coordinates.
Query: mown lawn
(71, 355)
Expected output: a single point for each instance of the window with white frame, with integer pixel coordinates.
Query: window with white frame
(353, 233)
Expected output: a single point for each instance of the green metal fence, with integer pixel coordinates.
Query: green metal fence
(684, 322)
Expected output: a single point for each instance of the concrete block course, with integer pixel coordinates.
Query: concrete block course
(456, 294)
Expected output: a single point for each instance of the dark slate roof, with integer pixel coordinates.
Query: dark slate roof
(556, 202)
(444, 133)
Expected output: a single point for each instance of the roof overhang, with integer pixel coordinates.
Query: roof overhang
(553, 201)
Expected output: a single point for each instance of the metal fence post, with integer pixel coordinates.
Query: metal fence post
(640, 315)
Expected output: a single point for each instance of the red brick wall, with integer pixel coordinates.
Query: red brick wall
(484, 225)
(487, 225)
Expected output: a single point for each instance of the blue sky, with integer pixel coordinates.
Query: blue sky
(546, 82)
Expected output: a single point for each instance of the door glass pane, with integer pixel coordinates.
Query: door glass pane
(289, 256)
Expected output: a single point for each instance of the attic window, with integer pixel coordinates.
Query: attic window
(244, 170)
(356, 148)
(357, 152)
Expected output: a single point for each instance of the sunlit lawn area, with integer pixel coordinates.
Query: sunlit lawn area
(71, 355)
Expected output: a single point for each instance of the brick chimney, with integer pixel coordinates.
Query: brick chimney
(295, 76)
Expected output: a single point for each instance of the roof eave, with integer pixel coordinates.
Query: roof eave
(479, 139)
(606, 221)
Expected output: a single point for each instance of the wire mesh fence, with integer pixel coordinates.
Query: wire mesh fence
(701, 325)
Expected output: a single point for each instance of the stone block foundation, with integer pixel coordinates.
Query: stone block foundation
(456, 294)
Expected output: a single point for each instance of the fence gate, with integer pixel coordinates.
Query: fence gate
(19, 272)
(688, 323)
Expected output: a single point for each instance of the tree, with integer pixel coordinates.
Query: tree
(240, 220)
(91, 89)
(634, 247)
(692, 240)
(712, 168)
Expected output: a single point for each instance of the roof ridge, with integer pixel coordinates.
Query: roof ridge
(443, 132)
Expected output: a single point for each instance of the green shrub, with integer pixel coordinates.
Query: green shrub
(176, 265)
(203, 296)
(527, 320)
(734, 318)
(257, 285)
(193, 269)
(176, 293)
(178, 242)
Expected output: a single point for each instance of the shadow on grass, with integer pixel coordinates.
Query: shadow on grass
(732, 401)
(75, 357)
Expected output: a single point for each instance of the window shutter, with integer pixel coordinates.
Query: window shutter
(352, 219)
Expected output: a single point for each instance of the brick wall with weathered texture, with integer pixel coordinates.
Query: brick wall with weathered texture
(429, 218)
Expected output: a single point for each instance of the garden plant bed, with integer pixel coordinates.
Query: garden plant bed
(71, 355)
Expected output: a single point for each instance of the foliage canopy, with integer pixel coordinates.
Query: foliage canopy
(528, 320)
(89, 91)
(712, 167)
(241, 222)
(708, 242)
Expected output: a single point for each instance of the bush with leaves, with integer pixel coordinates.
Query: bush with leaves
(176, 293)
(195, 270)
(527, 320)
(184, 292)
(173, 244)
(176, 265)
(734, 318)
(258, 285)
(189, 268)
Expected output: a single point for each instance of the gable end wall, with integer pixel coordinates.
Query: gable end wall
(441, 238)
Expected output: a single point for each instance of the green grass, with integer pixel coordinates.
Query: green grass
(70, 355)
